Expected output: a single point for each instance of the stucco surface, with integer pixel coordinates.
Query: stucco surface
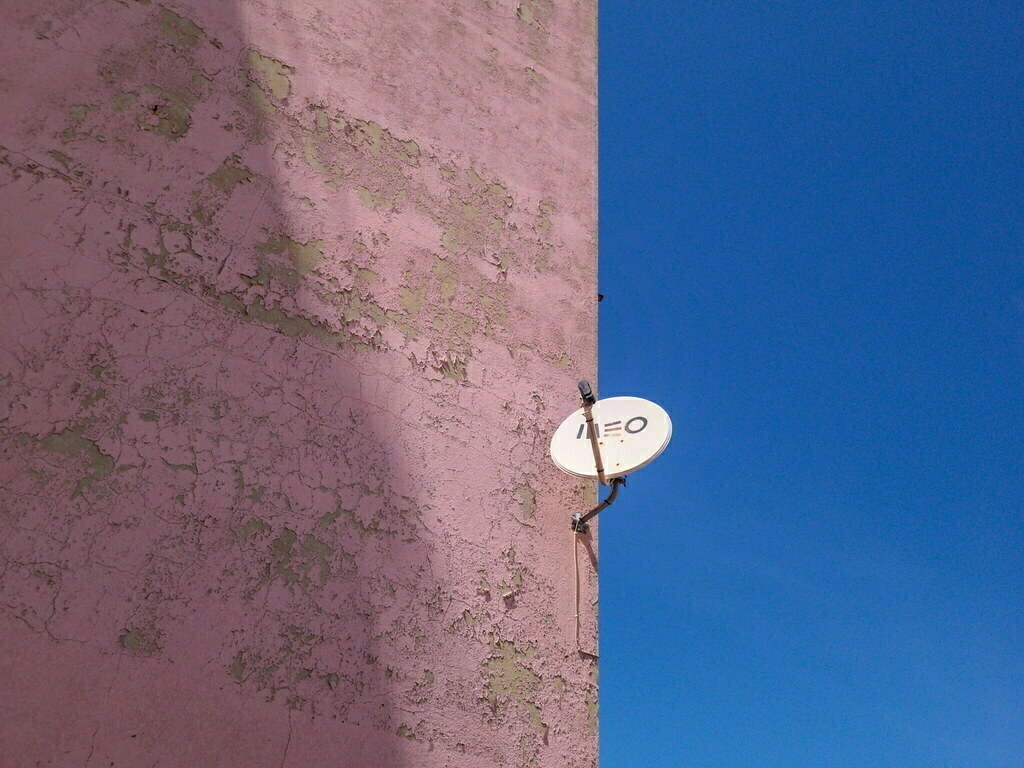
(292, 295)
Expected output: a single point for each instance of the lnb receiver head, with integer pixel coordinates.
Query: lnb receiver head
(586, 392)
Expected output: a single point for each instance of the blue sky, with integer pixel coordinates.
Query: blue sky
(812, 254)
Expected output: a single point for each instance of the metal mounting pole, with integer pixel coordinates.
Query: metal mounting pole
(579, 521)
(588, 403)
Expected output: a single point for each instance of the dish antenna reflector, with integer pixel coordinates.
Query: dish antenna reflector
(631, 433)
(607, 439)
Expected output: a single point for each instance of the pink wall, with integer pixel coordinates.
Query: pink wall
(292, 295)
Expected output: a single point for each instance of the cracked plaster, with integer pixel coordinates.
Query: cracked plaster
(291, 296)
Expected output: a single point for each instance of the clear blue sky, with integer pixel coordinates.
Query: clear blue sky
(812, 254)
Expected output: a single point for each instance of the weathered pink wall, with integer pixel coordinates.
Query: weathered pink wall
(292, 295)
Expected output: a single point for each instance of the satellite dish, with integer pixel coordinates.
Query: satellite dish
(631, 433)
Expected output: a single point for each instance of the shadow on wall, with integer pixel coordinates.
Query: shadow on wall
(208, 541)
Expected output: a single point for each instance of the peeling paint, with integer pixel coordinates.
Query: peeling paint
(537, 15)
(304, 256)
(178, 29)
(141, 640)
(252, 528)
(323, 123)
(412, 301)
(77, 114)
(230, 174)
(527, 499)
(169, 114)
(237, 668)
(274, 73)
(509, 680)
(123, 101)
(368, 133)
(71, 442)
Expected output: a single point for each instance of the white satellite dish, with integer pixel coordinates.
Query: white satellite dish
(631, 433)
